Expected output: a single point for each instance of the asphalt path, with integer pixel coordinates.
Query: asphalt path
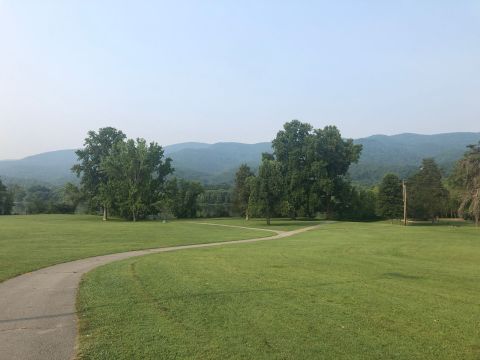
(38, 317)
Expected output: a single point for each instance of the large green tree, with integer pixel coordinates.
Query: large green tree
(390, 197)
(466, 180)
(241, 190)
(267, 188)
(136, 173)
(330, 157)
(314, 164)
(94, 180)
(426, 194)
(290, 148)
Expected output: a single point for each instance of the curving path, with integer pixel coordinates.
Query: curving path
(37, 309)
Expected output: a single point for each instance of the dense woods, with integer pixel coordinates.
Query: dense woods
(305, 176)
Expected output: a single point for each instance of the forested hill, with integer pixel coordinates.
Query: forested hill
(216, 163)
(403, 153)
(50, 167)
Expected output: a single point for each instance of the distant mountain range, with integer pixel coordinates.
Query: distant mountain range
(217, 163)
(402, 154)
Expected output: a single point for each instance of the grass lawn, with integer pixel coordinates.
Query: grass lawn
(276, 224)
(35, 241)
(344, 291)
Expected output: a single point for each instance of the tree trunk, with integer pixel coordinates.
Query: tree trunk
(134, 215)
(105, 213)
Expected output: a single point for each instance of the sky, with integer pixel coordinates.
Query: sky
(215, 71)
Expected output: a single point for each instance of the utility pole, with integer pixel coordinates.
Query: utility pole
(404, 187)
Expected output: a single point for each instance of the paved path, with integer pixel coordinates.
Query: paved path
(37, 309)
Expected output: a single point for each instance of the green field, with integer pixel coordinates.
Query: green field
(344, 291)
(35, 241)
(276, 224)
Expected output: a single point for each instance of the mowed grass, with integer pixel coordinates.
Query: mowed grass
(35, 241)
(344, 291)
(276, 224)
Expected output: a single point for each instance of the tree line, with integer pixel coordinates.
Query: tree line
(38, 199)
(305, 175)
(430, 196)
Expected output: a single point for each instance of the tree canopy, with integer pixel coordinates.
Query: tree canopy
(426, 193)
(313, 165)
(125, 176)
(181, 197)
(94, 181)
(136, 173)
(466, 179)
(267, 188)
(390, 197)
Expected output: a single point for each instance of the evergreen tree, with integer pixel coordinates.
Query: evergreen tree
(426, 193)
(390, 197)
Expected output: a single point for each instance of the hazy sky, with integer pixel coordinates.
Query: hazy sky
(233, 70)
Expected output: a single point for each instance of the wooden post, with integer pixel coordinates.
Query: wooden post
(404, 186)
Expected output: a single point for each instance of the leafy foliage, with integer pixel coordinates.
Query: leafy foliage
(95, 182)
(426, 193)
(136, 174)
(182, 197)
(267, 188)
(390, 197)
(241, 190)
(313, 166)
(466, 179)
